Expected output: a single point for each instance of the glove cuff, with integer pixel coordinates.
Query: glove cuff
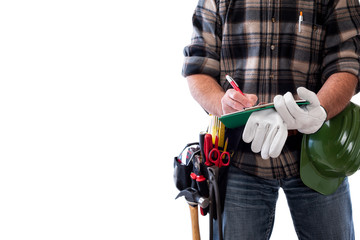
(326, 113)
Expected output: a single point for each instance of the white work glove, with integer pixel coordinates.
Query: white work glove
(306, 119)
(267, 131)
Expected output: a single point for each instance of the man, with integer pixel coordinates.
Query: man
(276, 51)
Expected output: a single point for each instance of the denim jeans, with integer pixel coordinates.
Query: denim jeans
(249, 209)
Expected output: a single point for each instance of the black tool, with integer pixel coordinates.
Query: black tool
(201, 144)
(215, 200)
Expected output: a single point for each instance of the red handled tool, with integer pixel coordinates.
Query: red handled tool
(207, 148)
(218, 158)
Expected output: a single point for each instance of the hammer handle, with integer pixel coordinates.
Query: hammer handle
(194, 214)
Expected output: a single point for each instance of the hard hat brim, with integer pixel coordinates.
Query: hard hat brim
(313, 179)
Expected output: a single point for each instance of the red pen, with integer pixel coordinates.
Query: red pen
(233, 84)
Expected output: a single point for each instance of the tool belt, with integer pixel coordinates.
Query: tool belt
(200, 174)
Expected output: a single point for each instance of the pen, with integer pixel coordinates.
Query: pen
(233, 84)
(300, 20)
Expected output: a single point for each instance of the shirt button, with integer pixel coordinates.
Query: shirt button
(273, 20)
(272, 47)
(271, 76)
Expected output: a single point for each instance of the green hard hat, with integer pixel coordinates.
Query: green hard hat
(333, 152)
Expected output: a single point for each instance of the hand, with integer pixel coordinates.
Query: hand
(234, 101)
(306, 119)
(267, 132)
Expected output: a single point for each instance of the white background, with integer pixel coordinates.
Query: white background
(93, 109)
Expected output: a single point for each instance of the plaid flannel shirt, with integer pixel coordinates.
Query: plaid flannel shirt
(261, 45)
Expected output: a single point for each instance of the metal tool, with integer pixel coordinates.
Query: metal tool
(193, 197)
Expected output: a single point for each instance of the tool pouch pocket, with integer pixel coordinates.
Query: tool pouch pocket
(222, 182)
(182, 173)
(183, 166)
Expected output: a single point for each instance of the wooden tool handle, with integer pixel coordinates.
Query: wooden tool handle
(195, 222)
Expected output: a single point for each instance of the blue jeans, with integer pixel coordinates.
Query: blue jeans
(250, 202)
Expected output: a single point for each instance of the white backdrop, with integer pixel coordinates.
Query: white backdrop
(93, 108)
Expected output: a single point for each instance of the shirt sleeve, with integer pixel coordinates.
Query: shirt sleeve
(202, 56)
(342, 43)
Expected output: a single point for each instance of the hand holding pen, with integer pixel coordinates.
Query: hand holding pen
(235, 100)
(234, 84)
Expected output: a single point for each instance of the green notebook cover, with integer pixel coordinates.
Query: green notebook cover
(238, 119)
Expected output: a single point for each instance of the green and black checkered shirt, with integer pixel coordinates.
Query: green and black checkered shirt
(260, 44)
